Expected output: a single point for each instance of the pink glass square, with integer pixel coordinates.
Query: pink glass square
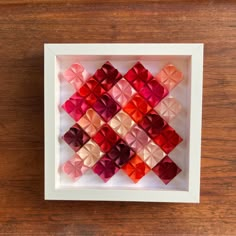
(122, 92)
(166, 170)
(169, 76)
(168, 108)
(76, 75)
(105, 168)
(75, 106)
(74, 167)
(106, 107)
(76, 137)
(136, 138)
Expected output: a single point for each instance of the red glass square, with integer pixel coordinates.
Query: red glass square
(136, 168)
(108, 75)
(106, 107)
(76, 137)
(106, 137)
(168, 139)
(153, 92)
(75, 106)
(91, 90)
(105, 168)
(152, 123)
(120, 153)
(137, 107)
(166, 169)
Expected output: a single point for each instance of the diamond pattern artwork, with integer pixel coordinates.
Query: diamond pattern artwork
(122, 122)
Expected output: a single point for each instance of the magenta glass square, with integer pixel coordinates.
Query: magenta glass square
(153, 92)
(76, 137)
(75, 106)
(166, 170)
(106, 107)
(105, 168)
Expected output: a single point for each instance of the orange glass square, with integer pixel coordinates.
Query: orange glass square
(137, 107)
(136, 168)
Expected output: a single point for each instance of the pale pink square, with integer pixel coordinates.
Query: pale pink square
(168, 108)
(76, 75)
(122, 92)
(136, 138)
(74, 167)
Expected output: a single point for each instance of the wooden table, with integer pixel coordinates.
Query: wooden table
(25, 25)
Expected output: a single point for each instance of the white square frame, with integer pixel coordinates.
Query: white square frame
(52, 191)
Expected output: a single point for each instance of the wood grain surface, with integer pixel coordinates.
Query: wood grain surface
(25, 26)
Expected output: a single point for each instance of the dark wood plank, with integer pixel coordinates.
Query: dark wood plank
(24, 27)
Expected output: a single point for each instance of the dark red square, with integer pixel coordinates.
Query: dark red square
(76, 137)
(106, 137)
(121, 153)
(152, 123)
(108, 75)
(168, 139)
(166, 169)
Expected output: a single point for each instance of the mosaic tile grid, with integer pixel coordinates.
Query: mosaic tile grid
(122, 122)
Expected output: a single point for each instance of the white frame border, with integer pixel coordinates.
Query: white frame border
(195, 51)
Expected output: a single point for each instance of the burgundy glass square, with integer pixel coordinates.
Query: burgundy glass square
(106, 107)
(76, 137)
(166, 169)
(106, 137)
(108, 75)
(105, 168)
(75, 106)
(120, 153)
(152, 123)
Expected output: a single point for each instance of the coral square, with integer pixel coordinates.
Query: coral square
(169, 76)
